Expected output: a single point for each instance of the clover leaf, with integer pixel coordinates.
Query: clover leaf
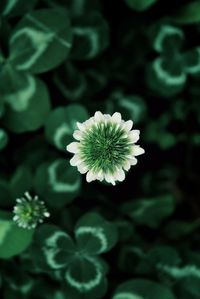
(15, 186)
(57, 182)
(3, 139)
(14, 8)
(40, 41)
(27, 101)
(140, 5)
(168, 73)
(131, 106)
(150, 211)
(71, 82)
(83, 271)
(188, 13)
(13, 240)
(61, 124)
(90, 36)
(142, 289)
(94, 234)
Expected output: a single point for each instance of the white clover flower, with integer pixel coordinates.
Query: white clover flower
(29, 212)
(105, 148)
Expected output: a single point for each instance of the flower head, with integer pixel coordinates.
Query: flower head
(105, 148)
(28, 211)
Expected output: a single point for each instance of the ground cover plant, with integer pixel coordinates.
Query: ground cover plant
(99, 146)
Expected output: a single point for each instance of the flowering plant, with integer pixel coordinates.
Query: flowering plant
(86, 87)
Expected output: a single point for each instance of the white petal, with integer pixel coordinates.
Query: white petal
(128, 125)
(78, 135)
(127, 165)
(109, 178)
(137, 150)
(120, 175)
(82, 168)
(134, 135)
(98, 116)
(116, 117)
(81, 126)
(88, 123)
(75, 160)
(100, 175)
(107, 117)
(133, 161)
(73, 147)
(90, 176)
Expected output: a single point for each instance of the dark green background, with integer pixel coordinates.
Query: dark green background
(116, 74)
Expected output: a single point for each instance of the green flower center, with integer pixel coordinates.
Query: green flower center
(31, 212)
(105, 147)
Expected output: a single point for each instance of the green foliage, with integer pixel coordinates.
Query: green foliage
(13, 240)
(61, 124)
(57, 182)
(60, 62)
(15, 7)
(168, 73)
(3, 139)
(40, 41)
(71, 82)
(90, 36)
(82, 270)
(150, 211)
(141, 288)
(14, 186)
(131, 107)
(140, 5)
(189, 13)
(28, 111)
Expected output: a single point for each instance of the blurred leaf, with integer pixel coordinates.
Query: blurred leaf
(142, 289)
(41, 40)
(130, 106)
(2, 109)
(3, 139)
(21, 181)
(150, 211)
(166, 74)
(78, 8)
(55, 247)
(83, 272)
(13, 240)
(166, 77)
(140, 5)
(61, 124)
(166, 38)
(94, 234)
(163, 255)
(27, 99)
(85, 278)
(19, 280)
(188, 287)
(71, 82)
(188, 13)
(16, 88)
(157, 131)
(15, 7)
(132, 255)
(57, 182)
(157, 258)
(192, 61)
(90, 36)
(5, 195)
(179, 229)
(125, 230)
